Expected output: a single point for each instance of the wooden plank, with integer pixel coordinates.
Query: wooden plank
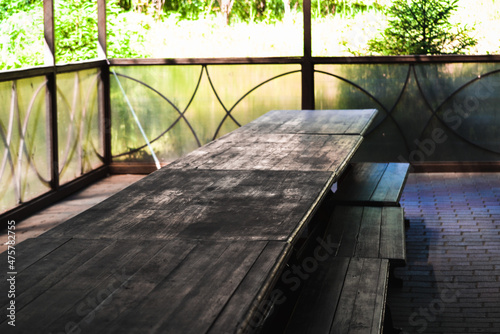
(343, 315)
(392, 235)
(45, 273)
(329, 122)
(269, 151)
(344, 228)
(109, 314)
(373, 184)
(31, 250)
(367, 313)
(87, 274)
(136, 286)
(392, 183)
(195, 294)
(317, 304)
(360, 182)
(256, 286)
(368, 241)
(345, 295)
(216, 205)
(369, 232)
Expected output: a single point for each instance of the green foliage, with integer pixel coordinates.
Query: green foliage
(10, 7)
(345, 8)
(75, 30)
(186, 10)
(21, 35)
(422, 27)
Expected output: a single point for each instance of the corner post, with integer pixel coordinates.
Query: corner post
(307, 62)
(51, 92)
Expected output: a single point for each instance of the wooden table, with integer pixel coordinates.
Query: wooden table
(196, 247)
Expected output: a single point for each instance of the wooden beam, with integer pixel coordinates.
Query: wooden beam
(307, 64)
(101, 28)
(51, 93)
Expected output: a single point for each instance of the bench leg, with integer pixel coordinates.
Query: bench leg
(393, 280)
(389, 324)
(407, 223)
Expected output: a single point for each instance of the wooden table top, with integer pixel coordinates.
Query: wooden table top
(332, 122)
(195, 247)
(270, 151)
(71, 285)
(205, 204)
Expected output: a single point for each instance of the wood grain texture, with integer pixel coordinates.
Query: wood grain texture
(343, 296)
(246, 151)
(373, 184)
(147, 286)
(198, 246)
(370, 232)
(330, 122)
(205, 204)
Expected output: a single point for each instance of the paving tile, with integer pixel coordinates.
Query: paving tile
(453, 253)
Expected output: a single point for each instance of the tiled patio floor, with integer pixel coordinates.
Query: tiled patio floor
(451, 281)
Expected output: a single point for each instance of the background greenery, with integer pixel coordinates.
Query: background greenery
(199, 28)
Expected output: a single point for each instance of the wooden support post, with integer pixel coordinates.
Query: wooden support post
(307, 63)
(104, 87)
(51, 91)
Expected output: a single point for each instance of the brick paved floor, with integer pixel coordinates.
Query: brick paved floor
(451, 281)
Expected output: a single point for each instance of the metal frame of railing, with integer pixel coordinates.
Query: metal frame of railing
(51, 69)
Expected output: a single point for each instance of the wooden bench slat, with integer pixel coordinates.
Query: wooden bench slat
(392, 182)
(368, 241)
(372, 184)
(366, 317)
(392, 237)
(345, 295)
(369, 232)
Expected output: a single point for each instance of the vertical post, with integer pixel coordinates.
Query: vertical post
(104, 87)
(307, 63)
(51, 92)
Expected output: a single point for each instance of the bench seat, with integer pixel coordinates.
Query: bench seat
(369, 232)
(378, 184)
(344, 295)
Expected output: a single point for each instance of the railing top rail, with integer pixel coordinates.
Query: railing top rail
(42, 70)
(411, 59)
(88, 64)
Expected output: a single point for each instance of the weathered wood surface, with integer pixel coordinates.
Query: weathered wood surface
(192, 248)
(331, 122)
(137, 286)
(369, 232)
(244, 151)
(344, 295)
(205, 204)
(373, 184)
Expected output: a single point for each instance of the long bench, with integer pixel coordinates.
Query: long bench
(346, 295)
(378, 184)
(369, 232)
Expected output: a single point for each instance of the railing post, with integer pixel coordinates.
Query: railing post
(51, 91)
(307, 63)
(104, 87)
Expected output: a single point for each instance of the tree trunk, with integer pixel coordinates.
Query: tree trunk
(225, 8)
(288, 13)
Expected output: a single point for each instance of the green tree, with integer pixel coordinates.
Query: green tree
(422, 27)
